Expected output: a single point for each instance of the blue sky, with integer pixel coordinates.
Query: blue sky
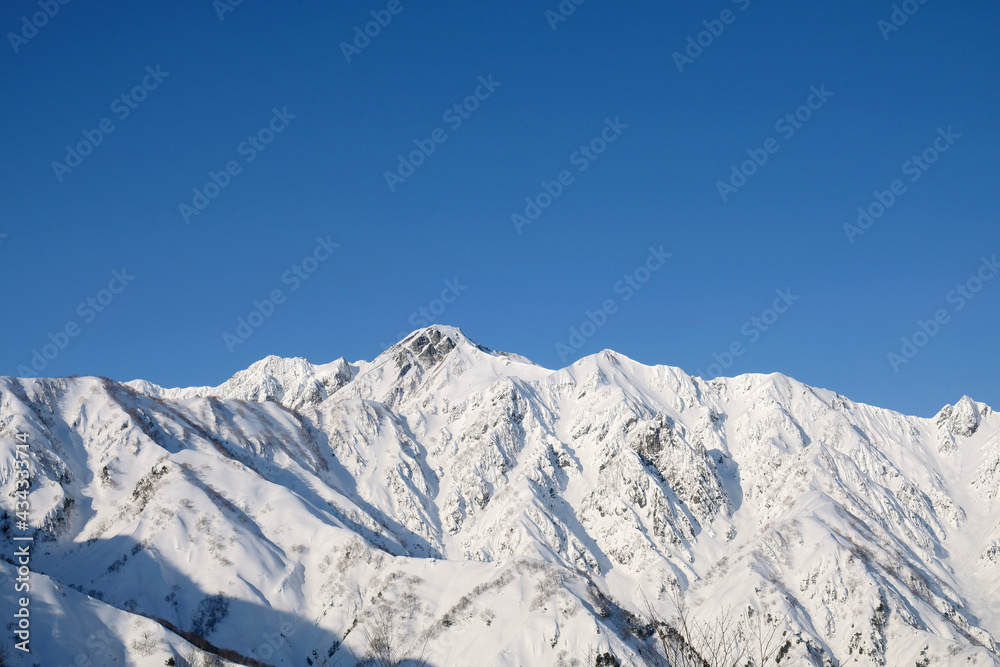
(612, 120)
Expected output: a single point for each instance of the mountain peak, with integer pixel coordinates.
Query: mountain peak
(429, 345)
(964, 417)
(435, 333)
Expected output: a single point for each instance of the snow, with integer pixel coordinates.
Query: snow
(507, 514)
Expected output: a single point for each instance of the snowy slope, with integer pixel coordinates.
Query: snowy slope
(503, 513)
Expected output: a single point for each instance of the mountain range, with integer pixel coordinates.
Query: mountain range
(478, 509)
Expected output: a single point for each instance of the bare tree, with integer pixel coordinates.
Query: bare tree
(727, 640)
(720, 640)
(387, 639)
(676, 639)
(761, 629)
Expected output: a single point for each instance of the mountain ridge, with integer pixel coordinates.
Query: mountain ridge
(151, 388)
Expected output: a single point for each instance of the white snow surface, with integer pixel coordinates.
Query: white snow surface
(507, 514)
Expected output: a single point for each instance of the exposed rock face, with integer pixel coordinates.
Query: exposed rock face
(963, 419)
(514, 514)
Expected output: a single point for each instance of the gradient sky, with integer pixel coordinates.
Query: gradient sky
(656, 184)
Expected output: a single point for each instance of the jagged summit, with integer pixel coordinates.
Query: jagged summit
(437, 332)
(439, 339)
(432, 344)
(964, 417)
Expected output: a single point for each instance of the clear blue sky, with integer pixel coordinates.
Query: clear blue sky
(520, 287)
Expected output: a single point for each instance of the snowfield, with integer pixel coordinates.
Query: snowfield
(493, 512)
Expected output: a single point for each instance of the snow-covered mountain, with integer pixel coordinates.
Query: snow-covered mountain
(494, 512)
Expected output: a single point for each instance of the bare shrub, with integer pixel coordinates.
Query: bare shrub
(195, 658)
(145, 646)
